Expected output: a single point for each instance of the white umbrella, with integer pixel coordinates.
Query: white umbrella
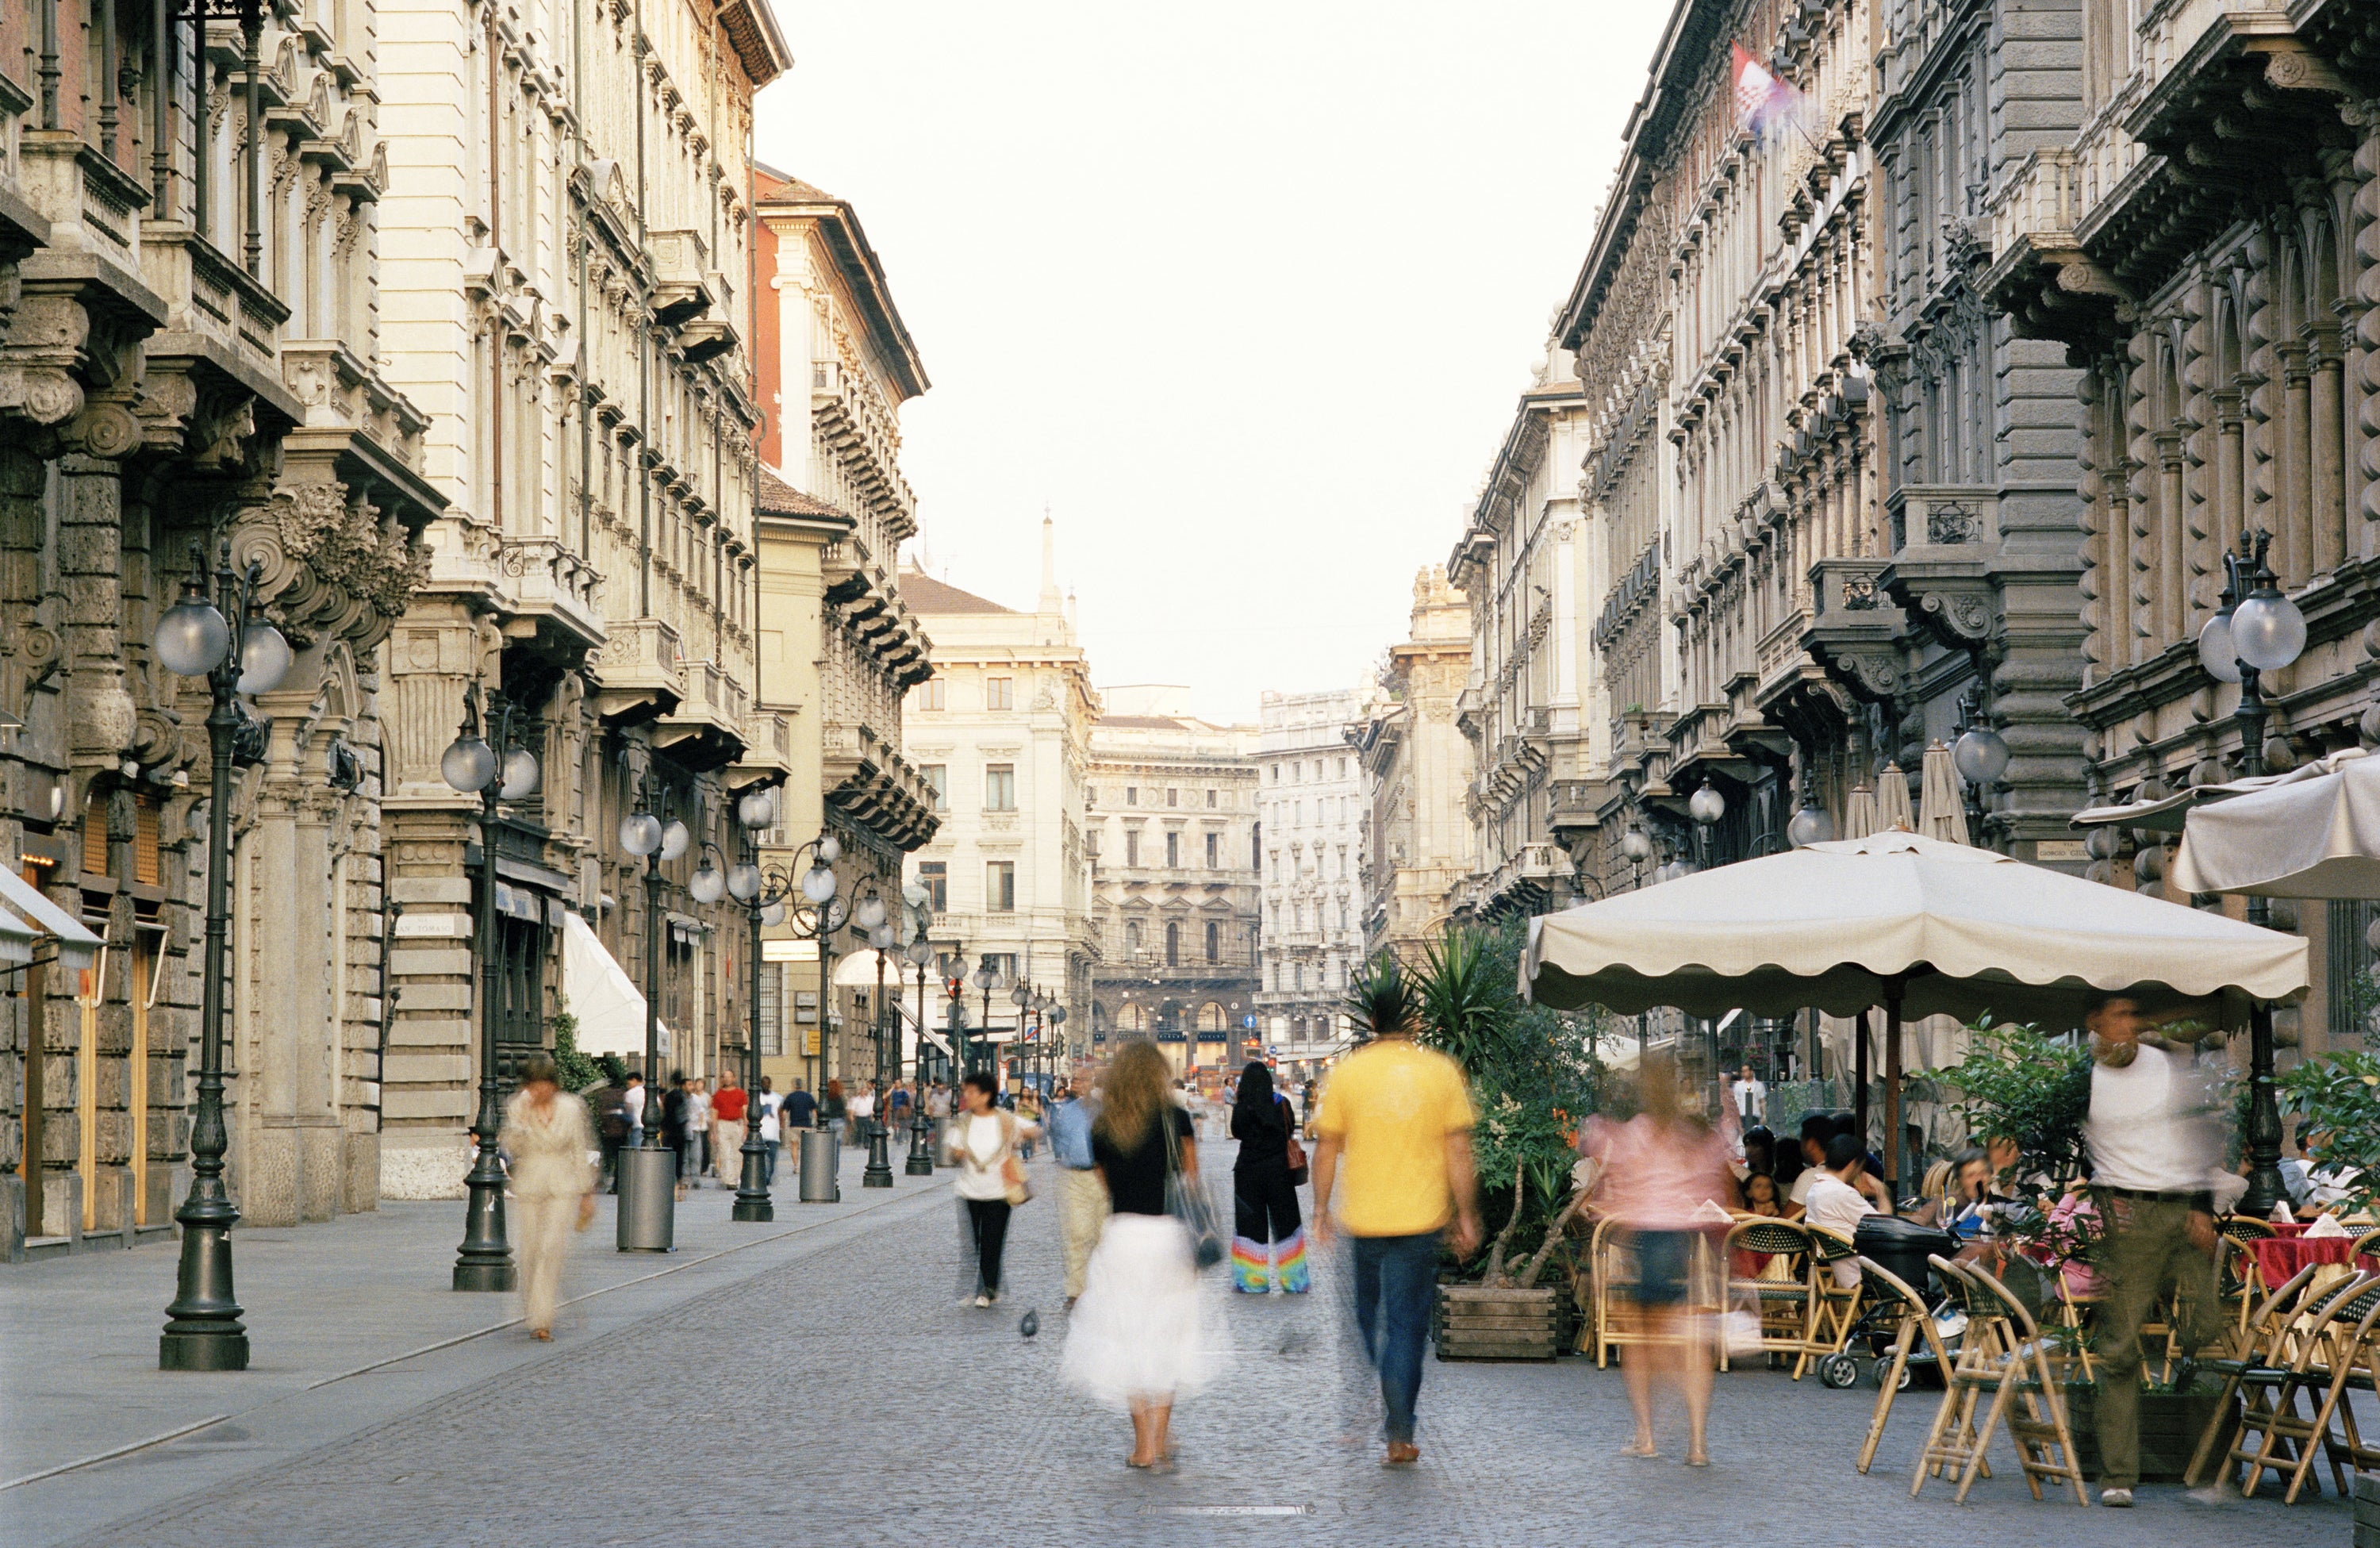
(1922, 927)
(2314, 832)
(1940, 813)
(1859, 813)
(1893, 800)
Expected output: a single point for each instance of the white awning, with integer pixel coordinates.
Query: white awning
(601, 994)
(78, 947)
(17, 939)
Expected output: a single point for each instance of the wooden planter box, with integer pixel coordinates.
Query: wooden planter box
(1474, 1322)
(2170, 1425)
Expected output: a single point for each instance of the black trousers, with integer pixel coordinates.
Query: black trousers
(1264, 1205)
(987, 1220)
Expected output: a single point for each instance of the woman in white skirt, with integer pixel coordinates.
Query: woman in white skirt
(549, 1142)
(1137, 1337)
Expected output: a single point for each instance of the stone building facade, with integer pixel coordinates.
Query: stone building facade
(1417, 837)
(1003, 734)
(1532, 708)
(192, 361)
(839, 646)
(2202, 244)
(566, 261)
(1174, 838)
(1312, 807)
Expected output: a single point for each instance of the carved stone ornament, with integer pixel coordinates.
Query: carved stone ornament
(332, 566)
(1952, 523)
(1872, 673)
(1964, 614)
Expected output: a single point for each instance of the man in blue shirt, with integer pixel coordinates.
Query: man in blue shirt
(1082, 1197)
(801, 1108)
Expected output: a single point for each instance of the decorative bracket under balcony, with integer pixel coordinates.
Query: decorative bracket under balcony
(639, 673)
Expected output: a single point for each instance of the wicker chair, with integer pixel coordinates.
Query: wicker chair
(2336, 1352)
(1889, 1288)
(2273, 1341)
(1607, 1244)
(2001, 1354)
(1834, 1308)
(1786, 1304)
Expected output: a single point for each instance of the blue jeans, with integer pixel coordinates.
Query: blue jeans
(769, 1163)
(1395, 1279)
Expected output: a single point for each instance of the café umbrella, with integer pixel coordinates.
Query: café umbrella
(1916, 925)
(2314, 832)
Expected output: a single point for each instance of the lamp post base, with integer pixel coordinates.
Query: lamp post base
(204, 1332)
(879, 1160)
(485, 1262)
(752, 1203)
(921, 1149)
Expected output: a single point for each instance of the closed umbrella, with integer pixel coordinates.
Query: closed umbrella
(1940, 813)
(1922, 927)
(1859, 813)
(2314, 832)
(1893, 800)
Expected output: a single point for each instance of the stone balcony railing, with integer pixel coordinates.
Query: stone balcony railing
(641, 670)
(547, 579)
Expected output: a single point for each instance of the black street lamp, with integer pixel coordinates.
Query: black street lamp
(918, 952)
(953, 970)
(881, 936)
(763, 893)
(197, 639)
(1980, 754)
(2255, 631)
(648, 1213)
(1022, 998)
(987, 978)
(495, 771)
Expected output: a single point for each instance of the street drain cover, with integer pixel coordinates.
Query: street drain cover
(1227, 1510)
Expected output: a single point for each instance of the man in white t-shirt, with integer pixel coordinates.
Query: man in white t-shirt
(863, 1107)
(1750, 1098)
(1835, 1203)
(770, 1133)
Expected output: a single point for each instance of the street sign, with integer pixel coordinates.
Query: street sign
(1248, 1023)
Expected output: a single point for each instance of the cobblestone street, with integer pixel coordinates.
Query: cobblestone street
(847, 1398)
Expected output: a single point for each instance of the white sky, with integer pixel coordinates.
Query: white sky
(1243, 293)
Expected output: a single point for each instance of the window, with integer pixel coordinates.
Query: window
(1132, 935)
(1297, 973)
(1131, 795)
(1342, 862)
(1210, 801)
(1296, 773)
(1297, 815)
(1000, 886)
(939, 776)
(935, 877)
(1131, 847)
(769, 1014)
(1276, 774)
(1000, 693)
(1090, 795)
(1317, 771)
(1255, 850)
(1214, 942)
(1276, 865)
(1172, 945)
(1342, 914)
(999, 787)
(1214, 847)
(933, 694)
(1343, 768)
(1173, 851)
(1172, 798)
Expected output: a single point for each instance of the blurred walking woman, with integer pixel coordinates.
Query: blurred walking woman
(1266, 1233)
(1135, 1340)
(548, 1136)
(990, 1181)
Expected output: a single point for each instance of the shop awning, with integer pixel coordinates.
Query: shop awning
(27, 908)
(601, 994)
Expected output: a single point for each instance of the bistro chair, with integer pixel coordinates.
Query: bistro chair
(2336, 1354)
(1607, 1250)
(1886, 1288)
(2001, 1353)
(1834, 1309)
(2261, 1364)
(1784, 1300)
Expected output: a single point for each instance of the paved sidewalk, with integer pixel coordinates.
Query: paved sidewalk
(351, 1322)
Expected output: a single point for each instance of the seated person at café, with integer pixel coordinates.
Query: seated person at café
(1836, 1202)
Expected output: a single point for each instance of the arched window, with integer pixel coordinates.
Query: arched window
(1211, 1017)
(1132, 1019)
(1172, 945)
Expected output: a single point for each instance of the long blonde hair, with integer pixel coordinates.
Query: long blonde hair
(1134, 1094)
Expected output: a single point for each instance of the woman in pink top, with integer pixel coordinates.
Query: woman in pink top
(1659, 1169)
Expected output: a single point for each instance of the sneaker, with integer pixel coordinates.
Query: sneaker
(2116, 1499)
(982, 1301)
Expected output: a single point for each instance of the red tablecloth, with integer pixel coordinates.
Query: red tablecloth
(2280, 1258)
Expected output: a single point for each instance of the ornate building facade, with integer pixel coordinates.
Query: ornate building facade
(1313, 807)
(2202, 244)
(1417, 844)
(1174, 838)
(839, 647)
(567, 265)
(1532, 709)
(1003, 734)
(192, 368)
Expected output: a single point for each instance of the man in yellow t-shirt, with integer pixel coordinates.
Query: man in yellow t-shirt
(1396, 1122)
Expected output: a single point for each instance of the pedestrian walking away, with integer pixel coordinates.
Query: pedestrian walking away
(2156, 1176)
(1395, 1127)
(1082, 1197)
(801, 1109)
(1268, 1235)
(695, 1158)
(632, 1102)
(1658, 1172)
(1137, 1339)
(675, 1104)
(611, 1129)
(938, 1114)
(835, 1112)
(990, 1181)
(727, 1116)
(548, 1134)
(771, 1132)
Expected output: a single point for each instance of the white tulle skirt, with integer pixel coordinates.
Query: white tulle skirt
(1141, 1331)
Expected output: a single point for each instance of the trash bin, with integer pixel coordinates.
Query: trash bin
(1903, 1245)
(647, 1199)
(821, 1159)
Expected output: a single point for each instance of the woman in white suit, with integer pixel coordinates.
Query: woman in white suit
(549, 1139)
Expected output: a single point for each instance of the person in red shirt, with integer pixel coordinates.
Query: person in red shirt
(727, 1105)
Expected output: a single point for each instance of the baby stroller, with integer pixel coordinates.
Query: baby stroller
(1873, 1323)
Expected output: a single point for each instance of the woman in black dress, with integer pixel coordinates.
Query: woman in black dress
(1268, 1235)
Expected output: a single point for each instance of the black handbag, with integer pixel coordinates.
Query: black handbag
(1188, 1202)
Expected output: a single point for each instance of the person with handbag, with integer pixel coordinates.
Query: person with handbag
(1138, 1338)
(1268, 1237)
(990, 1181)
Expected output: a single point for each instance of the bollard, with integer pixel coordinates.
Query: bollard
(821, 1159)
(648, 1201)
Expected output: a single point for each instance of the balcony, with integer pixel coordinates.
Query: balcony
(868, 781)
(681, 281)
(1855, 632)
(641, 671)
(1575, 806)
(768, 748)
(2040, 273)
(706, 730)
(553, 588)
